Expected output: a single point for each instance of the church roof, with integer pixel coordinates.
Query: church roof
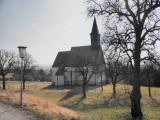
(83, 55)
(78, 56)
(61, 58)
(95, 27)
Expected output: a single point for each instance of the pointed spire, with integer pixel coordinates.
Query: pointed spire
(95, 27)
(95, 36)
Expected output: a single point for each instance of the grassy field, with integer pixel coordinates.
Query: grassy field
(68, 103)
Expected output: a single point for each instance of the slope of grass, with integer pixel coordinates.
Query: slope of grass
(99, 105)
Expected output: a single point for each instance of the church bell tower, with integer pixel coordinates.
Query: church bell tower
(95, 36)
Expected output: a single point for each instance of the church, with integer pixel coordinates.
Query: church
(67, 65)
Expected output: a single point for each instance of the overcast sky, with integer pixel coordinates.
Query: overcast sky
(44, 26)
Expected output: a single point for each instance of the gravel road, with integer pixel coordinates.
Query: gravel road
(10, 113)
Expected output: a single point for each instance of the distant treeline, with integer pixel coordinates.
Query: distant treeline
(37, 74)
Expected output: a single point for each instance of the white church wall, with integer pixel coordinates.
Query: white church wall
(67, 79)
(96, 79)
(99, 78)
(77, 78)
(58, 80)
(93, 80)
(54, 77)
(104, 77)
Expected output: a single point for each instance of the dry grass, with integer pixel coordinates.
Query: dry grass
(34, 102)
(98, 104)
(38, 103)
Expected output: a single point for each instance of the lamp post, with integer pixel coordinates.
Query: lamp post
(22, 55)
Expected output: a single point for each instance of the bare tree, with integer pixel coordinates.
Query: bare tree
(132, 26)
(7, 61)
(148, 75)
(28, 67)
(86, 71)
(148, 72)
(115, 68)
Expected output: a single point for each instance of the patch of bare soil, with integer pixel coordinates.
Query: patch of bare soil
(10, 113)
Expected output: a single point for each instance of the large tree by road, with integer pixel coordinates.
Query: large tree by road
(132, 26)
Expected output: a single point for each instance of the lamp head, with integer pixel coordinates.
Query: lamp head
(22, 51)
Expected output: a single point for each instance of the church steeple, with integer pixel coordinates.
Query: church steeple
(95, 36)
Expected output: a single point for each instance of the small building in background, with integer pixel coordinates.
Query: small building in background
(68, 63)
(8, 76)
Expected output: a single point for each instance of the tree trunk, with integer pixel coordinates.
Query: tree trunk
(4, 82)
(136, 92)
(114, 90)
(24, 81)
(114, 82)
(101, 83)
(149, 86)
(84, 87)
(149, 91)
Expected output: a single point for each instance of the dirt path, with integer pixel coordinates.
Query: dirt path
(10, 113)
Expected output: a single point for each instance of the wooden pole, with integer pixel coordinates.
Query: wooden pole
(21, 89)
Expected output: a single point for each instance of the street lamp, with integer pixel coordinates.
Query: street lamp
(22, 52)
(22, 55)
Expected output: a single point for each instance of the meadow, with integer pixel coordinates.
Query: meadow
(66, 103)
